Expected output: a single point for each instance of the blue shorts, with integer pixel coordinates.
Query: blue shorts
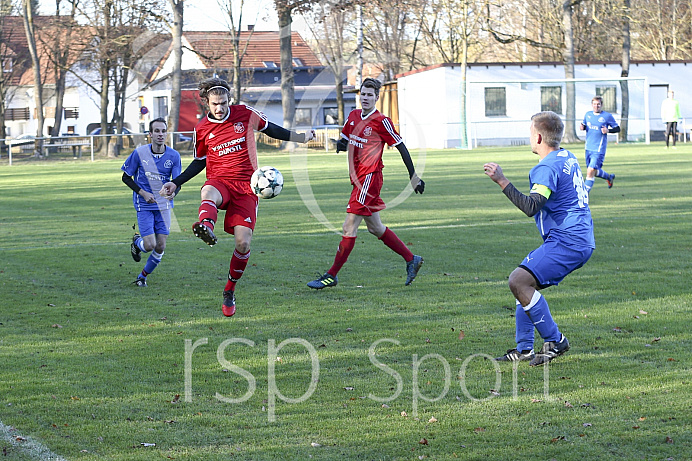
(154, 222)
(594, 159)
(552, 261)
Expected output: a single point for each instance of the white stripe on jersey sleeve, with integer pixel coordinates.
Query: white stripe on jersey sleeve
(388, 126)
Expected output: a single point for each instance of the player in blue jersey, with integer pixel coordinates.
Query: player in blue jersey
(147, 169)
(560, 204)
(597, 123)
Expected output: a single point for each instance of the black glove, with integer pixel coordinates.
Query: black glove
(420, 188)
(341, 145)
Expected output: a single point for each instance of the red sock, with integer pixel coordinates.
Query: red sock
(208, 213)
(390, 239)
(238, 263)
(345, 247)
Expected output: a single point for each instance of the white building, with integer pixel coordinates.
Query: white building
(501, 97)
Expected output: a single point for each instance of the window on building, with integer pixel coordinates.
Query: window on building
(495, 102)
(331, 115)
(161, 107)
(270, 64)
(303, 117)
(297, 62)
(7, 65)
(551, 99)
(18, 113)
(71, 112)
(609, 94)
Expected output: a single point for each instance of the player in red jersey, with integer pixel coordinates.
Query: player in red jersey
(364, 135)
(225, 146)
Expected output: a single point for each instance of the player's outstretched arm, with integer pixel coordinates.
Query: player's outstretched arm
(193, 169)
(278, 132)
(417, 183)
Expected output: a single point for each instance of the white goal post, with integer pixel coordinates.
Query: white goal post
(498, 111)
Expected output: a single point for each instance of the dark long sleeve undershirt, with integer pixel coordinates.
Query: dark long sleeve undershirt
(192, 170)
(529, 204)
(406, 157)
(277, 132)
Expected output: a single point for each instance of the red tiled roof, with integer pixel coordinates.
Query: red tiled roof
(215, 48)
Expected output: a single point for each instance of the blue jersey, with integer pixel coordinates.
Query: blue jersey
(150, 172)
(566, 215)
(595, 139)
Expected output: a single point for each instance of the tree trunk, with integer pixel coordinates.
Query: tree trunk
(570, 135)
(288, 100)
(177, 35)
(624, 86)
(38, 85)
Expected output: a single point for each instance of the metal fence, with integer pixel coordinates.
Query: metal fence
(92, 146)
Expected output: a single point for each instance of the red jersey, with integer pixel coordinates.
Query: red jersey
(366, 138)
(229, 144)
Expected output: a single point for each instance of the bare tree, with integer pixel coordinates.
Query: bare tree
(235, 10)
(28, 15)
(559, 39)
(452, 26)
(60, 38)
(330, 18)
(178, 7)
(285, 10)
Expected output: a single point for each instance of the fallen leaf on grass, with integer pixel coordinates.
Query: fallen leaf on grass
(423, 441)
(568, 405)
(479, 429)
(315, 445)
(617, 329)
(432, 420)
(404, 414)
(536, 400)
(643, 312)
(349, 388)
(658, 338)
(146, 444)
(669, 440)
(55, 325)
(586, 424)
(643, 418)
(557, 439)
(176, 398)
(461, 335)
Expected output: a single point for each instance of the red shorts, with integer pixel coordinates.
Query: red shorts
(238, 201)
(365, 197)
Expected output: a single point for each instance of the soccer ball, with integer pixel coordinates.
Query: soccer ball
(267, 182)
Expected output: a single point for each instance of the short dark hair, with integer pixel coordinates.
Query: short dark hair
(215, 86)
(372, 83)
(160, 119)
(550, 126)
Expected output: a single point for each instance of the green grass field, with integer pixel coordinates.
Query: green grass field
(94, 367)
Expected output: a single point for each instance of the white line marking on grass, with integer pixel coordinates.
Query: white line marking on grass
(28, 446)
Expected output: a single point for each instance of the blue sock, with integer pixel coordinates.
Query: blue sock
(153, 261)
(539, 313)
(524, 331)
(589, 184)
(602, 174)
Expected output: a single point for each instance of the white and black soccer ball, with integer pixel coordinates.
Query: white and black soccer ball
(267, 182)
